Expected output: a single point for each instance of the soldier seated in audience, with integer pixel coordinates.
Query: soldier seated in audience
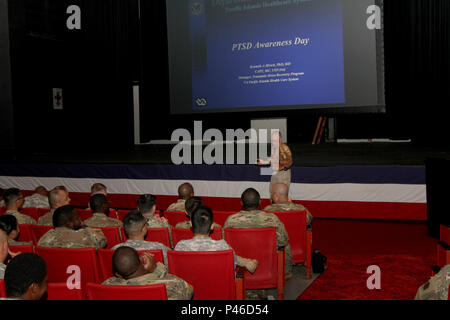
(251, 217)
(185, 191)
(8, 223)
(437, 287)
(281, 202)
(26, 277)
(98, 188)
(135, 226)
(147, 206)
(57, 197)
(39, 199)
(4, 248)
(14, 201)
(190, 205)
(70, 232)
(202, 225)
(100, 207)
(131, 269)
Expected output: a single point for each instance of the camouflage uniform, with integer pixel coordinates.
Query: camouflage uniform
(187, 225)
(144, 245)
(177, 206)
(261, 219)
(437, 287)
(203, 244)
(12, 242)
(46, 219)
(21, 218)
(36, 200)
(102, 220)
(289, 206)
(2, 270)
(2, 203)
(63, 237)
(177, 288)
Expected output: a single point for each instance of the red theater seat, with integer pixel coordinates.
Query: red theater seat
(105, 261)
(112, 235)
(61, 261)
(184, 234)
(259, 244)
(221, 216)
(155, 234)
(60, 291)
(2, 210)
(39, 231)
(299, 236)
(122, 213)
(85, 213)
(26, 233)
(445, 233)
(42, 211)
(2, 289)
(109, 292)
(210, 273)
(443, 254)
(22, 249)
(175, 217)
(32, 212)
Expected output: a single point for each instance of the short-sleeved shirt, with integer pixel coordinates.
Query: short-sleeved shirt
(63, 237)
(101, 220)
(177, 288)
(289, 206)
(21, 218)
(177, 206)
(437, 287)
(36, 200)
(144, 245)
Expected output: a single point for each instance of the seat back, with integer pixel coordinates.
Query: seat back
(31, 211)
(112, 292)
(112, 235)
(185, 234)
(221, 216)
(2, 289)
(26, 233)
(85, 213)
(295, 224)
(63, 264)
(39, 231)
(29, 248)
(2, 210)
(259, 244)
(42, 211)
(211, 273)
(60, 291)
(105, 261)
(122, 213)
(174, 217)
(160, 235)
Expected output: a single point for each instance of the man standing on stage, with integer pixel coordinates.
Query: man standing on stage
(281, 162)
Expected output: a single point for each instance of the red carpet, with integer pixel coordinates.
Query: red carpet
(403, 251)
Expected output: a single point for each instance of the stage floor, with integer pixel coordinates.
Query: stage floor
(305, 155)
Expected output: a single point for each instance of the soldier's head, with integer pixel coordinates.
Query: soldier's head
(8, 223)
(41, 190)
(26, 277)
(13, 199)
(127, 264)
(250, 199)
(280, 193)
(147, 204)
(98, 188)
(185, 191)
(4, 247)
(99, 204)
(135, 225)
(67, 216)
(191, 204)
(202, 220)
(58, 197)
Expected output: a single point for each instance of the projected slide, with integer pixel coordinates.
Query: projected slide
(249, 53)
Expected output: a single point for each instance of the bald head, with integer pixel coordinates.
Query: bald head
(280, 193)
(125, 261)
(41, 190)
(185, 191)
